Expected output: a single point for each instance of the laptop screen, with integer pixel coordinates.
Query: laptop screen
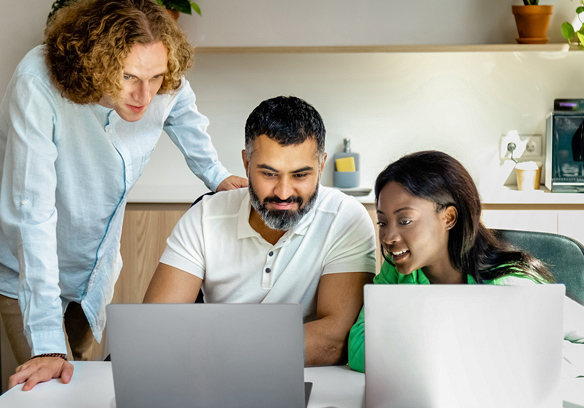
(463, 345)
(207, 355)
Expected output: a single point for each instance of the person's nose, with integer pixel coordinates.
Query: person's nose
(143, 94)
(389, 235)
(284, 188)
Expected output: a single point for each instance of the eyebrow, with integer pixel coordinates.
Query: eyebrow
(397, 211)
(301, 170)
(136, 76)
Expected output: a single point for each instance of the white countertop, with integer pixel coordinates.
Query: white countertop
(499, 195)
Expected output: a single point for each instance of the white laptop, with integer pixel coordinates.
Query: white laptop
(207, 355)
(479, 346)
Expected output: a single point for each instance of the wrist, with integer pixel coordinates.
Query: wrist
(60, 355)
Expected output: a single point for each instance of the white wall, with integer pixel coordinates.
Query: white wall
(389, 104)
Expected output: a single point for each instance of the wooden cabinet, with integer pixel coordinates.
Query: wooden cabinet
(564, 219)
(146, 228)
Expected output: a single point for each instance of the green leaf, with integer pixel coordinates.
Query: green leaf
(196, 8)
(579, 10)
(580, 38)
(184, 6)
(568, 31)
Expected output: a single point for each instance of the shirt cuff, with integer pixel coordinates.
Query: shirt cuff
(48, 342)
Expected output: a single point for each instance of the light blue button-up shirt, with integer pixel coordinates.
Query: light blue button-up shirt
(65, 174)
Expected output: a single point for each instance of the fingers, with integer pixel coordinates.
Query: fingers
(232, 183)
(67, 373)
(40, 370)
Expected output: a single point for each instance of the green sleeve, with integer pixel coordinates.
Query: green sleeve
(357, 344)
(387, 275)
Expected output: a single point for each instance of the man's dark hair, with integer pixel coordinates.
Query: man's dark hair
(286, 119)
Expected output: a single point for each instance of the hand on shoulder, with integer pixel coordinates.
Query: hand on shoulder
(232, 183)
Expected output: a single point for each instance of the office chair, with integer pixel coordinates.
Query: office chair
(200, 296)
(563, 256)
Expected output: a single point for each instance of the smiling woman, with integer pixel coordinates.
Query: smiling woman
(430, 232)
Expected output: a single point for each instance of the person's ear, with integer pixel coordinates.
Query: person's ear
(450, 216)
(245, 161)
(322, 163)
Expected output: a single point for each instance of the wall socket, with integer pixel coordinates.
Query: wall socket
(526, 147)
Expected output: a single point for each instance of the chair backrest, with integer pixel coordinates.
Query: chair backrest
(563, 256)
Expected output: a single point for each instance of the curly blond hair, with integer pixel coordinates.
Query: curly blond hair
(87, 42)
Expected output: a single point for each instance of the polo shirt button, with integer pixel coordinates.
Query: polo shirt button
(268, 270)
(109, 131)
(271, 253)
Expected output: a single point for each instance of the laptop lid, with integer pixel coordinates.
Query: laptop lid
(207, 355)
(463, 346)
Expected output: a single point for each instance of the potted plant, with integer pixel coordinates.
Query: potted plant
(174, 7)
(570, 33)
(532, 22)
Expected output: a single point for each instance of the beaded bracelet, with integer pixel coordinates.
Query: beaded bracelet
(60, 355)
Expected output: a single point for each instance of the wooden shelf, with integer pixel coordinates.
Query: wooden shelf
(390, 49)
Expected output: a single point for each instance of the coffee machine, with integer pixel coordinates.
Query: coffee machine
(564, 164)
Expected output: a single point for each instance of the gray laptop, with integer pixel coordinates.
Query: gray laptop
(207, 355)
(463, 346)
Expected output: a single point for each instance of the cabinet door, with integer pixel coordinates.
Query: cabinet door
(143, 240)
(527, 220)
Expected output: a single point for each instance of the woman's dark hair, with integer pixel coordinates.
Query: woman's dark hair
(473, 248)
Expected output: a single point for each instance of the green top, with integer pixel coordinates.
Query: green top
(390, 275)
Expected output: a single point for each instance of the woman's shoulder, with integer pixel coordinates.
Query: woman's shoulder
(515, 276)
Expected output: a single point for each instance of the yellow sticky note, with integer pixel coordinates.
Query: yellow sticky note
(346, 164)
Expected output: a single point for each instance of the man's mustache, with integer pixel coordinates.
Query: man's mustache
(289, 200)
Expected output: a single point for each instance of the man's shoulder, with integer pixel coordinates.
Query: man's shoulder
(34, 64)
(331, 200)
(223, 203)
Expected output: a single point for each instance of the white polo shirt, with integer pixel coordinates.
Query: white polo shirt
(215, 242)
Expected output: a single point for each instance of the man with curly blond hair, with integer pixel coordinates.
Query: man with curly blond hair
(79, 120)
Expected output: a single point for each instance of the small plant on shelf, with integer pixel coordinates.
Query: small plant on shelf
(570, 33)
(177, 6)
(530, 2)
(183, 6)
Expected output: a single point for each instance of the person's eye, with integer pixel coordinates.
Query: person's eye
(405, 222)
(300, 175)
(268, 174)
(381, 224)
(127, 77)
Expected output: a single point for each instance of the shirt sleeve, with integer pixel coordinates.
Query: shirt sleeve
(387, 275)
(185, 246)
(354, 236)
(187, 128)
(28, 215)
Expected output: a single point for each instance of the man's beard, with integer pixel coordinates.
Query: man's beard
(281, 220)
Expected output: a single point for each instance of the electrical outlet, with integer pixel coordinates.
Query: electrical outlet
(526, 146)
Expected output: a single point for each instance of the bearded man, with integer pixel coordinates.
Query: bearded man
(284, 239)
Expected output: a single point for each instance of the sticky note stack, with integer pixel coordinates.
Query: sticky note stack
(346, 164)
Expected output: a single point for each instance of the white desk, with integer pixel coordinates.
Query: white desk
(92, 387)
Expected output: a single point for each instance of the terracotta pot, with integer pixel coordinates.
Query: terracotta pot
(532, 23)
(173, 13)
